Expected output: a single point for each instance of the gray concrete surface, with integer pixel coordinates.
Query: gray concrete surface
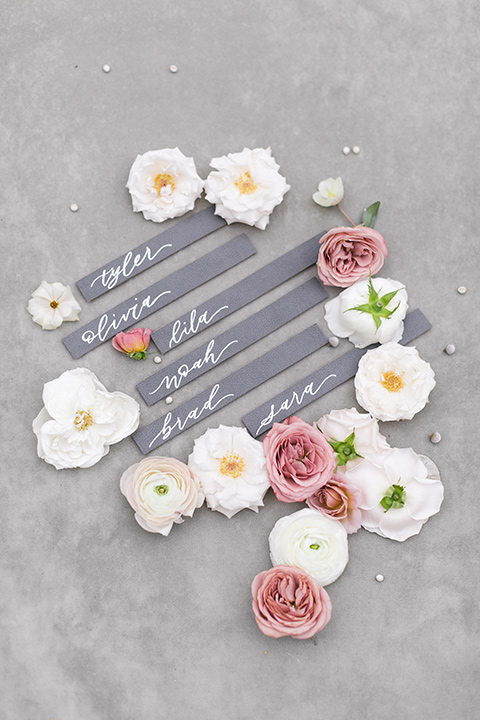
(101, 620)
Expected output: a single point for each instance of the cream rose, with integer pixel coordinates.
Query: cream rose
(312, 542)
(393, 382)
(338, 427)
(52, 304)
(163, 184)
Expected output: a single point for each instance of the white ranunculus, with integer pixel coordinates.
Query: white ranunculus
(359, 325)
(400, 491)
(81, 419)
(246, 186)
(330, 192)
(164, 184)
(52, 304)
(310, 541)
(393, 382)
(338, 426)
(230, 467)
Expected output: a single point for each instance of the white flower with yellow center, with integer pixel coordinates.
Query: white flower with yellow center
(312, 542)
(246, 186)
(330, 192)
(164, 184)
(230, 467)
(52, 304)
(393, 382)
(81, 419)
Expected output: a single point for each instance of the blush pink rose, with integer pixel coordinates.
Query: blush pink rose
(299, 459)
(348, 254)
(133, 342)
(339, 499)
(288, 601)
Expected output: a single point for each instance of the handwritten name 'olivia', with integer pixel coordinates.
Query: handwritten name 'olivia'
(183, 371)
(107, 322)
(109, 276)
(294, 399)
(183, 329)
(179, 424)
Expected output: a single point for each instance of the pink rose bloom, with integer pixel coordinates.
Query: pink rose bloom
(348, 254)
(339, 499)
(299, 459)
(288, 601)
(133, 342)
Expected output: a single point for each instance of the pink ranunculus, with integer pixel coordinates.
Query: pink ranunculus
(348, 254)
(288, 601)
(299, 459)
(339, 499)
(133, 342)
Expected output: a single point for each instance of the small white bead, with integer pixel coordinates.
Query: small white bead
(435, 437)
(462, 290)
(169, 400)
(355, 149)
(333, 341)
(157, 359)
(173, 68)
(450, 349)
(379, 578)
(106, 68)
(74, 207)
(346, 150)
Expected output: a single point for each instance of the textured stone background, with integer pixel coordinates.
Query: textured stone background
(101, 620)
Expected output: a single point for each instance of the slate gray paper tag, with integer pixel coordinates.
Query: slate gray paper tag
(163, 292)
(232, 387)
(321, 381)
(149, 253)
(237, 296)
(231, 342)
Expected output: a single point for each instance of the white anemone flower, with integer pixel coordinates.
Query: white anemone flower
(52, 304)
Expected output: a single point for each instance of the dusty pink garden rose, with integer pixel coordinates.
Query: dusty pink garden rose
(339, 499)
(299, 459)
(288, 601)
(161, 490)
(348, 254)
(133, 342)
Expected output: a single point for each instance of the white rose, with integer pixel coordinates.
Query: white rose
(246, 186)
(393, 382)
(164, 184)
(230, 467)
(338, 427)
(378, 322)
(400, 491)
(81, 419)
(330, 192)
(312, 542)
(52, 304)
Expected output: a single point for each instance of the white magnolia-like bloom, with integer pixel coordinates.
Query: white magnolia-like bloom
(81, 419)
(339, 425)
(330, 192)
(246, 186)
(52, 304)
(312, 542)
(393, 382)
(378, 322)
(400, 491)
(164, 184)
(230, 467)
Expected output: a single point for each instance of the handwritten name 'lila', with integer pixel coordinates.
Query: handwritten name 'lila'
(183, 329)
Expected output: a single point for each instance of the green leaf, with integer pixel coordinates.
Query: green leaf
(377, 322)
(360, 308)
(385, 299)
(370, 214)
(386, 502)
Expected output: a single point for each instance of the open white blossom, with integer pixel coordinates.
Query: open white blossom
(330, 192)
(52, 304)
(393, 382)
(164, 184)
(400, 491)
(312, 542)
(246, 186)
(230, 467)
(369, 311)
(81, 419)
(338, 427)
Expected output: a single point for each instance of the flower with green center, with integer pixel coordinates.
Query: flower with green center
(395, 497)
(345, 449)
(377, 306)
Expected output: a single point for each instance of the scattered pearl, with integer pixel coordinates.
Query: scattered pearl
(346, 150)
(435, 437)
(169, 400)
(173, 68)
(74, 207)
(450, 349)
(106, 68)
(355, 149)
(333, 341)
(462, 290)
(157, 359)
(379, 578)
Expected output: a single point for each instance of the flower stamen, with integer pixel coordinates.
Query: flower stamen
(245, 184)
(83, 420)
(391, 381)
(54, 304)
(232, 464)
(164, 181)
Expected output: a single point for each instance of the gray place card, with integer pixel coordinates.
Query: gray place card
(136, 308)
(232, 387)
(322, 381)
(237, 296)
(232, 341)
(149, 253)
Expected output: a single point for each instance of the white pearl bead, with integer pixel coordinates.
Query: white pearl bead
(169, 400)
(450, 349)
(435, 438)
(355, 149)
(157, 359)
(173, 68)
(74, 207)
(346, 150)
(462, 290)
(379, 578)
(106, 68)
(333, 341)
